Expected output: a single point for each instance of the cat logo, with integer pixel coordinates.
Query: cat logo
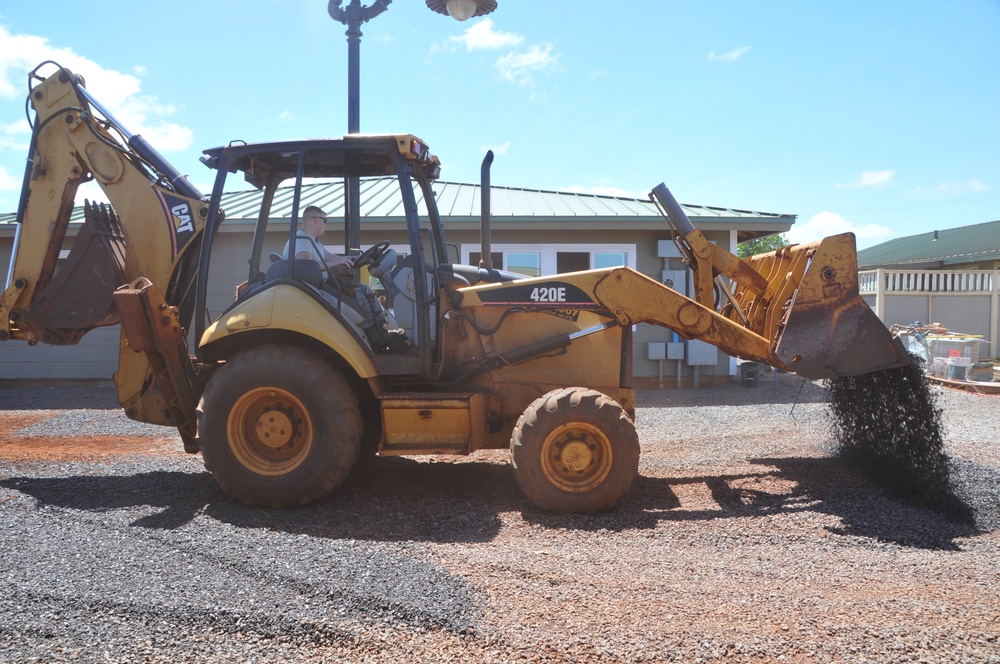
(183, 223)
(180, 221)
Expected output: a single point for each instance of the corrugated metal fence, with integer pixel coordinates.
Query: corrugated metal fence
(966, 301)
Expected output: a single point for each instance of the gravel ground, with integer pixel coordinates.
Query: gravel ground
(742, 540)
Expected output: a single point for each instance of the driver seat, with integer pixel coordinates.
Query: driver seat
(309, 272)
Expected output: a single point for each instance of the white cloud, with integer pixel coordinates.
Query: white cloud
(497, 149)
(729, 56)
(9, 182)
(519, 67)
(15, 136)
(959, 188)
(826, 224)
(876, 179)
(168, 136)
(19, 54)
(482, 36)
(516, 66)
(118, 92)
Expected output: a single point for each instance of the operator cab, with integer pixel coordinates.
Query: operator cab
(394, 173)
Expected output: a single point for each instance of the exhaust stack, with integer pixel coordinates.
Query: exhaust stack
(486, 260)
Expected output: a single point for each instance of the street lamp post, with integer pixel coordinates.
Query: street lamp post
(353, 15)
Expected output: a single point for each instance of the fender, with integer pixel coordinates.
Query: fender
(285, 307)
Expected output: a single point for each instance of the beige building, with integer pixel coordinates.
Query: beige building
(534, 232)
(949, 276)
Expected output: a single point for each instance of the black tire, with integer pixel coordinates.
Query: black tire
(574, 450)
(279, 427)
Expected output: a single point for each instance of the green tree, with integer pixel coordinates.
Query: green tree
(761, 245)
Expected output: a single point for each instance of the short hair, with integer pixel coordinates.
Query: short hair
(312, 209)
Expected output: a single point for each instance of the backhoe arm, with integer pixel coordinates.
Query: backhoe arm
(150, 229)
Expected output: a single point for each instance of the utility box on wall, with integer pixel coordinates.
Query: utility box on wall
(701, 353)
(676, 279)
(659, 350)
(667, 249)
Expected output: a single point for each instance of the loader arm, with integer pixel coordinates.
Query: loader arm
(797, 309)
(151, 229)
(635, 298)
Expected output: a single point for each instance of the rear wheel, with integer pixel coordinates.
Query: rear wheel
(279, 427)
(575, 450)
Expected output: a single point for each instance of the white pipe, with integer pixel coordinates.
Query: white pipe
(13, 254)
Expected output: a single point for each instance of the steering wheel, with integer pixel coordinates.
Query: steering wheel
(372, 254)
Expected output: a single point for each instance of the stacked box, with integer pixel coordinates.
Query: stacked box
(945, 347)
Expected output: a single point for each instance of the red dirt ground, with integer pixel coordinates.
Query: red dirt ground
(62, 448)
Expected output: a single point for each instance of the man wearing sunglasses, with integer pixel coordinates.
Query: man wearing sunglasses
(338, 279)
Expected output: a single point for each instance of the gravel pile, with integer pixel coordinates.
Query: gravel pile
(887, 425)
(744, 539)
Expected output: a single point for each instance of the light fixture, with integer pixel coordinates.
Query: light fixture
(462, 10)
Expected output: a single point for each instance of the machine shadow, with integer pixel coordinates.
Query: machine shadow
(401, 499)
(810, 484)
(382, 500)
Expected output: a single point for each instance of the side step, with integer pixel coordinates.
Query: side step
(422, 423)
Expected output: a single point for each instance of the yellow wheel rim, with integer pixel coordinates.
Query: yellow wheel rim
(269, 431)
(577, 457)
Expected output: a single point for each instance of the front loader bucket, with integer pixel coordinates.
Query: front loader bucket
(797, 308)
(828, 330)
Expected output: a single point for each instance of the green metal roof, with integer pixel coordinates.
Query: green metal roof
(953, 246)
(458, 202)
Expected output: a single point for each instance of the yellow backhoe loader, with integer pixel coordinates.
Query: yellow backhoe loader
(283, 389)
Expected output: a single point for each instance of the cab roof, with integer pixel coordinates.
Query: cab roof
(356, 155)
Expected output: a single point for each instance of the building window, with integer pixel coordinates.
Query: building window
(572, 261)
(495, 256)
(536, 260)
(610, 259)
(528, 263)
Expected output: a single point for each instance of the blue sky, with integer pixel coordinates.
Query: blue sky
(875, 117)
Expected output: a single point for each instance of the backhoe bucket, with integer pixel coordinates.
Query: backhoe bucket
(828, 330)
(79, 296)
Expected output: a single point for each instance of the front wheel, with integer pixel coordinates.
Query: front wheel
(279, 427)
(575, 450)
